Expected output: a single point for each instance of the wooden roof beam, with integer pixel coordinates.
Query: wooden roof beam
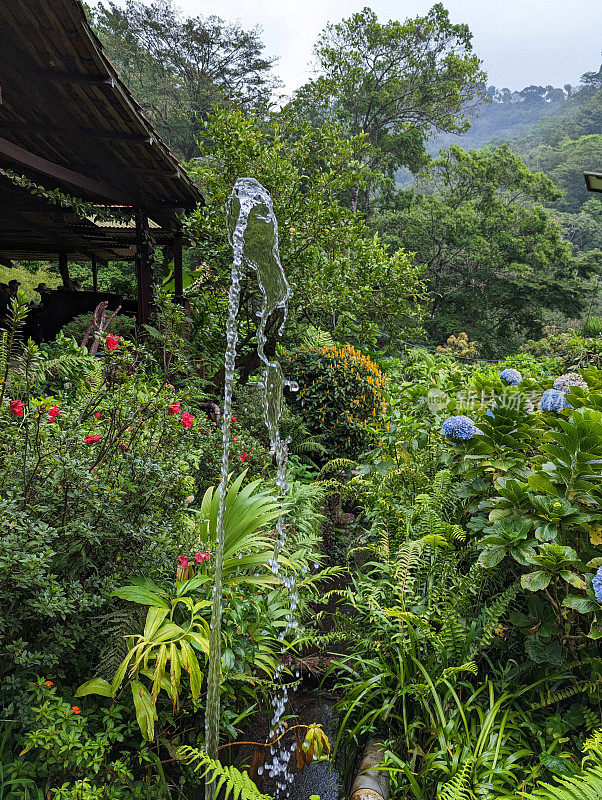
(76, 77)
(62, 242)
(112, 136)
(59, 173)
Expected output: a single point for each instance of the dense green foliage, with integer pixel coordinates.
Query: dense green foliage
(487, 243)
(441, 571)
(179, 68)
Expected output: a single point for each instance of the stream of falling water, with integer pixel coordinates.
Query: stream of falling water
(254, 237)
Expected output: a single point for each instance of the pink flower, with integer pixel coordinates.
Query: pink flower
(53, 413)
(92, 439)
(187, 420)
(200, 557)
(112, 342)
(183, 561)
(16, 408)
(174, 409)
(98, 415)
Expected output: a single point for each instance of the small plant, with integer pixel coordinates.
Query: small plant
(459, 345)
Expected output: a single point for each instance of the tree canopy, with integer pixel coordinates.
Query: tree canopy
(394, 83)
(494, 256)
(178, 68)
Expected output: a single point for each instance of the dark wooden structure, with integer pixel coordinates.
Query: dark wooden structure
(68, 122)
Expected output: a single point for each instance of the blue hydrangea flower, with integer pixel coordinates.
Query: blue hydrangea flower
(553, 400)
(459, 427)
(511, 376)
(564, 382)
(597, 585)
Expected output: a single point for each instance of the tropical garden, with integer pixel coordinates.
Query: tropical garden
(429, 563)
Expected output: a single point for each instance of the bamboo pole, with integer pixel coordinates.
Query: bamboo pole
(370, 784)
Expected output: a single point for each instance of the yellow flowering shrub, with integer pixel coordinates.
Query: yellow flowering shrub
(342, 395)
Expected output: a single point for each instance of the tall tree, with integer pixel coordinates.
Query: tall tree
(178, 68)
(395, 83)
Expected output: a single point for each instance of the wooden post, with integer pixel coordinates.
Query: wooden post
(94, 276)
(178, 278)
(64, 267)
(144, 274)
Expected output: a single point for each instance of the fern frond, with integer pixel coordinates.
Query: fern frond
(492, 616)
(231, 781)
(336, 465)
(406, 564)
(458, 787)
(557, 697)
(585, 786)
(593, 749)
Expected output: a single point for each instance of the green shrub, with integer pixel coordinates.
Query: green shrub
(342, 395)
(592, 327)
(121, 325)
(571, 346)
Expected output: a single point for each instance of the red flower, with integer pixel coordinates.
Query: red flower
(235, 438)
(53, 413)
(183, 561)
(174, 409)
(233, 419)
(92, 439)
(244, 457)
(48, 683)
(76, 710)
(200, 557)
(187, 420)
(112, 342)
(98, 415)
(16, 408)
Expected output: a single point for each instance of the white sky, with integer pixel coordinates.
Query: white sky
(521, 42)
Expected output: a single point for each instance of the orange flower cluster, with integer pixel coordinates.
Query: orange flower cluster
(340, 388)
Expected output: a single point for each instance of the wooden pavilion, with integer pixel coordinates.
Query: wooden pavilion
(68, 123)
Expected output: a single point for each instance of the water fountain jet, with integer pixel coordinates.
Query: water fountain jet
(254, 237)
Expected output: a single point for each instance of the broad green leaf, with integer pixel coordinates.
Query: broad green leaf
(142, 595)
(535, 581)
(95, 686)
(584, 605)
(154, 618)
(146, 713)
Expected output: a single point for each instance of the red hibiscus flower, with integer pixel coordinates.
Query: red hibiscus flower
(187, 420)
(92, 439)
(174, 409)
(98, 415)
(200, 557)
(112, 342)
(16, 408)
(183, 561)
(53, 413)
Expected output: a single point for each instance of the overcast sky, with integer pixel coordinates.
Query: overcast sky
(521, 42)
